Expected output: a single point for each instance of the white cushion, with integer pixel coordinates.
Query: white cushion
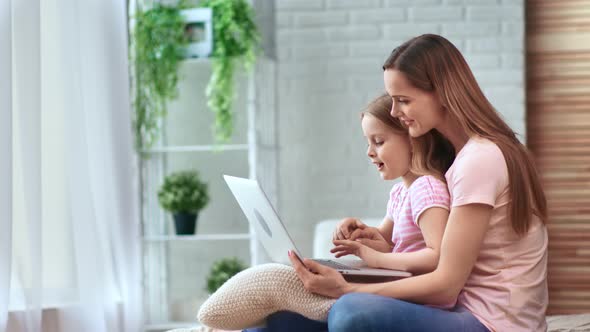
(247, 298)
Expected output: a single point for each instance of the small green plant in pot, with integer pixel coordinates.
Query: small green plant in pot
(184, 195)
(221, 271)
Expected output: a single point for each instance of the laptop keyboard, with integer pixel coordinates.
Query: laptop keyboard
(335, 265)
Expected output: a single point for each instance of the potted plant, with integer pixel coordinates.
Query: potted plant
(184, 195)
(221, 271)
(235, 40)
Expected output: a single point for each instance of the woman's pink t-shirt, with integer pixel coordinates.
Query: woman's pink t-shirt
(507, 288)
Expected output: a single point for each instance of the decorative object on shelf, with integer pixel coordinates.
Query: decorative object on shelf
(184, 195)
(199, 32)
(158, 46)
(235, 38)
(221, 271)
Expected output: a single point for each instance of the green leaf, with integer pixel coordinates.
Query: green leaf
(158, 43)
(235, 38)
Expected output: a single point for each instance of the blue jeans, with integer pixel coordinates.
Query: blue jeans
(368, 312)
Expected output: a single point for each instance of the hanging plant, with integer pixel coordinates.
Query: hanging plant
(235, 38)
(159, 43)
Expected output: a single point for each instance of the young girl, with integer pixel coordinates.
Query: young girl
(418, 205)
(414, 224)
(493, 257)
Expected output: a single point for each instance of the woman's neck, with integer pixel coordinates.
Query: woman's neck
(454, 133)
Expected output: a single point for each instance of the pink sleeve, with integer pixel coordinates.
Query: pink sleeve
(479, 177)
(428, 192)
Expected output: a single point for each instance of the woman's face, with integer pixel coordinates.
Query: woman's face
(419, 110)
(388, 151)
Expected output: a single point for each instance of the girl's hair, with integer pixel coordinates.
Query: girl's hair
(435, 153)
(432, 63)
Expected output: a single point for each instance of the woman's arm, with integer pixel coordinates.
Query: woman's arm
(432, 225)
(460, 247)
(461, 242)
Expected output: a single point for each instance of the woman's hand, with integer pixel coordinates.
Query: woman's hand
(346, 227)
(348, 247)
(319, 279)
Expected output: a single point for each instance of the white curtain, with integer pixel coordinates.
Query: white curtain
(5, 156)
(70, 239)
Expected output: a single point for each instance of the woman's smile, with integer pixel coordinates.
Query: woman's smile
(408, 123)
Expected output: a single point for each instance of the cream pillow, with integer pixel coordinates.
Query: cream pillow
(250, 296)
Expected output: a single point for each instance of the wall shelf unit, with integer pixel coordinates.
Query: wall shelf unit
(175, 266)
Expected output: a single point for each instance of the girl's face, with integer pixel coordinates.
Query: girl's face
(390, 152)
(418, 110)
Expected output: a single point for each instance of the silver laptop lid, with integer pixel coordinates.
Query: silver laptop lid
(269, 229)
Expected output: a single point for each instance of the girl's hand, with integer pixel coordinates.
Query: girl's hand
(319, 279)
(372, 238)
(348, 247)
(346, 227)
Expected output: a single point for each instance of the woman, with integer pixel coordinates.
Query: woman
(493, 258)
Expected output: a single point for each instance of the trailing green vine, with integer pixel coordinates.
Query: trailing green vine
(159, 42)
(235, 37)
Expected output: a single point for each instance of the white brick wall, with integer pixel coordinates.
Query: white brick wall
(330, 54)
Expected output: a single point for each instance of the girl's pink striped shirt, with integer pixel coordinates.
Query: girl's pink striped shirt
(406, 205)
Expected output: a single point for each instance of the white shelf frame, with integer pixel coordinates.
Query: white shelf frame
(170, 325)
(199, 237)
(199, 148)
(160, 241)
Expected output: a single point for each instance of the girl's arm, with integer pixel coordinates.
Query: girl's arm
(378, 238)
(432, 225)
(386, 229)
(381, 242)
(461, 243)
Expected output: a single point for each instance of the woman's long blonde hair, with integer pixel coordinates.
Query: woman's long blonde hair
(435, 153)
(432, 63)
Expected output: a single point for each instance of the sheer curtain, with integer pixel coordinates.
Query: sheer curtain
(70, 244)
(5, 156)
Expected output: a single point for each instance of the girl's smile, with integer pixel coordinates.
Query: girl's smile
(380, 166)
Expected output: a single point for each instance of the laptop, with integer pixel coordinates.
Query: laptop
(275, 239)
